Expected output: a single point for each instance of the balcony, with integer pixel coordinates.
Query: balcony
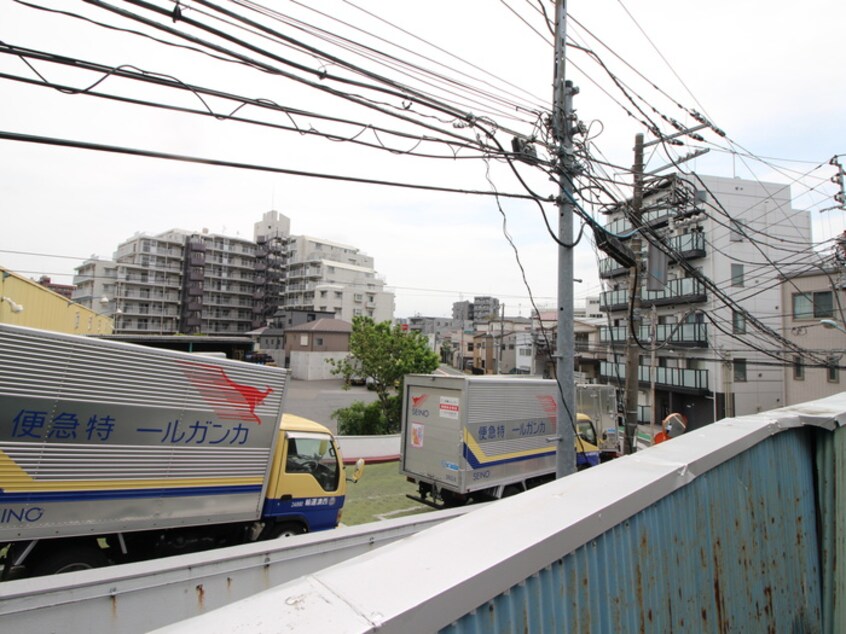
(623, 226)
(609, 267)
(614, 300)
(682, 335)
(677, 379)
(685, 290)
(689, 245)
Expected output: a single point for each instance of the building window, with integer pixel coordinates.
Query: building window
(798, 369)
(740, 370)
(738, 229)
(813, 305)
(737, 275)
(832, 371)
(318, 341)
(738, 322)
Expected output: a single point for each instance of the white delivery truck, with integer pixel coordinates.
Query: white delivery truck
(480, 438)
(600, 404)
(112, 452)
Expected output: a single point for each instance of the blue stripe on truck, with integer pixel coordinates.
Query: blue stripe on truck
(318, 513)
(586, 458)
(117, 494)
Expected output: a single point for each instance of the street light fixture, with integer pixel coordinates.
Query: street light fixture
(13, 305)
(830, 323)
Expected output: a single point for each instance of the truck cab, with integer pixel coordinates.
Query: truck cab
(587, 449)
(307, 484)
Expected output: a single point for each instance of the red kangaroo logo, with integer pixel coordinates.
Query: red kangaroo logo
(230, 400)
(416, 401)
(548, 404)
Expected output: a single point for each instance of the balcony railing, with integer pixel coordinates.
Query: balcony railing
(679, 378)
(687, 289)
(690, 245)
(677, 334)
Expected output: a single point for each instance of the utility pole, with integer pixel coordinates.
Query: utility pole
(501, 340)
(562, 129)
(632, 349)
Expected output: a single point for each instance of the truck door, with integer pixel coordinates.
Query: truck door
(432, 435)
(311, 485)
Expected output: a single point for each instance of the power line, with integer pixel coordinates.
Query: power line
(29, 138)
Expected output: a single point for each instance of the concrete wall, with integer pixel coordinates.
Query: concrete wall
(312, 366)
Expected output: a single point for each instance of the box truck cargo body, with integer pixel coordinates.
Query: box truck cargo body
(148, 452)
(482, 437)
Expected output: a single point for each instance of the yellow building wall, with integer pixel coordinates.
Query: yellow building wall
(44, 309)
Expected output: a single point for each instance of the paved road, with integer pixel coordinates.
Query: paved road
(318, 399)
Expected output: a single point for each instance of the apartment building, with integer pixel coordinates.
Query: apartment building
(698, 355)
(814, 319)
(485, 308)
(199, 282)
(331, 277)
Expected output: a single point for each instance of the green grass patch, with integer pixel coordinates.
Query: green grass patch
(379, 495)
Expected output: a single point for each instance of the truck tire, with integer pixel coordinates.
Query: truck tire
(451, 499)
(285, 529)
(290, 530)
(66, 557)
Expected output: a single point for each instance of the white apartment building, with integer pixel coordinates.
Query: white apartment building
(701, 357)
(198, 282)
(333, 277)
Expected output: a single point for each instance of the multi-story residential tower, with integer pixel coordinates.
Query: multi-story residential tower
(147, 289)
(462, 311)
(333, 277)
(485, 308)
(196, 282)
(701, 350)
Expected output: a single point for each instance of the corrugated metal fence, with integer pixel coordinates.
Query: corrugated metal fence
(737, 527)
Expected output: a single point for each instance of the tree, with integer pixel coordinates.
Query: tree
(384, 354)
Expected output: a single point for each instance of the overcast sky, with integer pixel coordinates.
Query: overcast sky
(771, 75)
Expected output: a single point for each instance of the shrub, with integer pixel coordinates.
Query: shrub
(365, 419)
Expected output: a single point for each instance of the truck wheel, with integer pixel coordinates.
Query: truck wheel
(453, 499)
(286, 529)
(68, 557)
(289, 530)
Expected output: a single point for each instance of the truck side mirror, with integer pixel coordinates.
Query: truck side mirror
(358, 472)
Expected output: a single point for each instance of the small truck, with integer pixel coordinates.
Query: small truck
(112, 452)
(482, 438)
(600, 404)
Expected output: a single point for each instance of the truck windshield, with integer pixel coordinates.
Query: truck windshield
(586, 431)
(313, 454)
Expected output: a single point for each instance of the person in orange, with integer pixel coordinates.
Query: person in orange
(673, 425)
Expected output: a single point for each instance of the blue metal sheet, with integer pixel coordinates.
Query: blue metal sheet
(831, 461)
(734, 551)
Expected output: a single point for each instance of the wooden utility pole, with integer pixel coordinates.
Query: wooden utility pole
(562, 130)
(633, 318)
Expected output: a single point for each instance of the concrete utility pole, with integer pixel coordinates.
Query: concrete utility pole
(632, 349)
(562, 129)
